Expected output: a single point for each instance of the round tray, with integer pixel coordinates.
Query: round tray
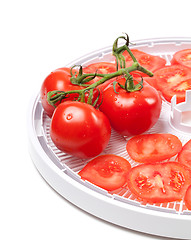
(60, 170)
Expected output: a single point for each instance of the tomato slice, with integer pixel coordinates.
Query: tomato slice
(146, 60)
(102, 68)
(187, 198)
(158, 183)
(182, 57)
(106, 171)
(184, 156)
(151, 148)
(179, 90)
(170, 76)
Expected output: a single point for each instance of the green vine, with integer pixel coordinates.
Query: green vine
(82, 79)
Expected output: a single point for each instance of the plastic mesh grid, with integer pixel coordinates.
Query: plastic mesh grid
(117, 145)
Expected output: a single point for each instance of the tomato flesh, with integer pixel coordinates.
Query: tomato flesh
(158, 183)
(106, 171)
(170, 76)
(187, 198)
(79, 129)
(150, 148)
(184, 156)
(182, 57)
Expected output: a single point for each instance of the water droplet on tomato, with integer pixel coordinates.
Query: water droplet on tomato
(69, 116)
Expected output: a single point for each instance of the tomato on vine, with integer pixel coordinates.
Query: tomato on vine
(131, 113)
(79, 129)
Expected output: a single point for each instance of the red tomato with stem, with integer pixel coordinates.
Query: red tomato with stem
(187, 198)
(101, 68)
(60, 80)
(184, 156)
(57, 80)
(150, 148)
(158, 183)
(79, 129)
(146, 60)
(131, 113)
(106, 171)
(182, 57)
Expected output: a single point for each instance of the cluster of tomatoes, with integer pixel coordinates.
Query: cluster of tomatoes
(84, 130)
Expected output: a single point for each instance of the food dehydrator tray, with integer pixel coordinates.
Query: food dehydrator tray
(60, 170)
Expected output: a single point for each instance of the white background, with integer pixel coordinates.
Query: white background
(37, 37)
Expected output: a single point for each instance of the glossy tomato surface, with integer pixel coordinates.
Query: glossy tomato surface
(146, 60)
(79, 129)
(101, 68)
(106, 171)
(57, 80)
(182, 57)
(131, 113)
(184, 156)
(187, 198)
(150, 148)
(158, 183)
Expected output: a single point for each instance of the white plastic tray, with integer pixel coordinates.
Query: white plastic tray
(61, 170)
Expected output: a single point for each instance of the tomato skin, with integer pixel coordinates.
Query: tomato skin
(159, 183)
(146, 60)
(59, 79)
(106, 171)
(102, 68)
(182, 57)
(131, 113)
(79, 129)
(184, 156)
(187, 198)
(151, 148)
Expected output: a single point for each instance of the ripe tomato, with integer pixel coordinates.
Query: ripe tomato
(146, 60)
(150, 148)
(101, 68)
(79, 129)
(182, 57)
(187, 198)
(106, 171)
(158, 183)
(131, 113)
(57, 80)
(184, 156)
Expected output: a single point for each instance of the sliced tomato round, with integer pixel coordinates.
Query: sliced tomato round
(151, 148)
(184, 156)
(146, 60)
(158, 183)
(182, 57)
(106, 171)
(101, 68)
(179, 90)
(187, 198)
(170, 76)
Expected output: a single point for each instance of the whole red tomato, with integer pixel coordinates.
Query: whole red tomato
(79, 129)
(57, 80)
(131, 113)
